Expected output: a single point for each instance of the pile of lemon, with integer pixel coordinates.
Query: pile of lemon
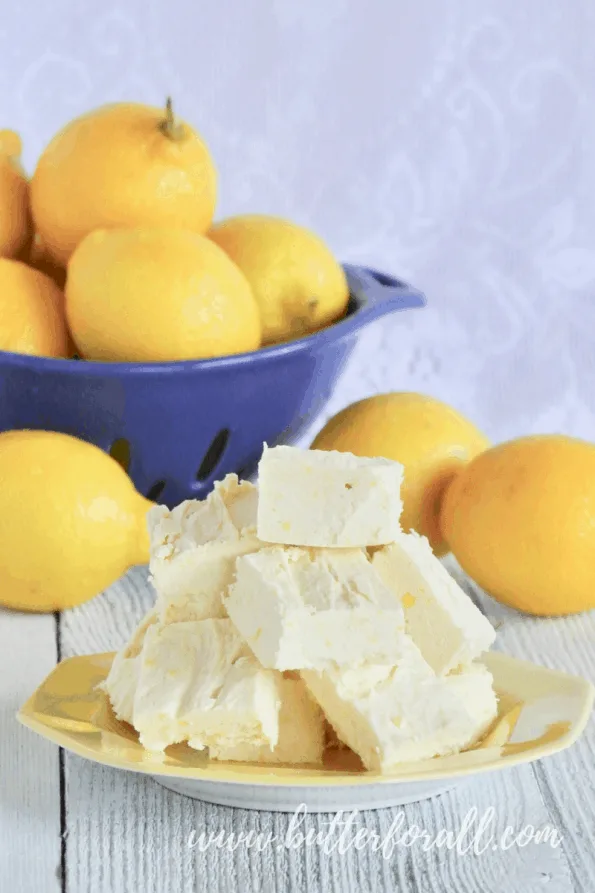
(110, 250)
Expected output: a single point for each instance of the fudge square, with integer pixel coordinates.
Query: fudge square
(327, 499)
(194, 547)
(198, 682)
(391, 715)
(314, 608)
(440, 617)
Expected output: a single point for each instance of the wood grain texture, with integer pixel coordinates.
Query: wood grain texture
(29, 775)
(127, 833)
(566, 780)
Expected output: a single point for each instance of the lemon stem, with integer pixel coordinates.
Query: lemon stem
(169, 126)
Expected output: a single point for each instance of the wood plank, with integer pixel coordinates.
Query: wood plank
(29, 769)
(566, 780)
(126, 832)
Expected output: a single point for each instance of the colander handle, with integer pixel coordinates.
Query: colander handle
(378, 294)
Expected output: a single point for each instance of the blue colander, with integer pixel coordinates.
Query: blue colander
(177, 427)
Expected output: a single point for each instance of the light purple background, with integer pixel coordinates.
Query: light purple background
(451, 143)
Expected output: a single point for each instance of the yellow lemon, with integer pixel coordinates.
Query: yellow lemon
(121, 165)
(429, 438)
(298, 284)
(15, 218)
(520, 519)
(156, 294)
(10, 143)
(71, 521)
(32, 317)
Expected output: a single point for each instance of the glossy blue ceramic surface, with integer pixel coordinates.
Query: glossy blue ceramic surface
(189, 423)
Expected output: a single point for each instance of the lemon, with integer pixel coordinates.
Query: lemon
(156, 295)
(520, 519)
(10, 143)
(121, 165)
(297, 283)
(71, 521)
(15, 217)
(429, 438)
(32, 319)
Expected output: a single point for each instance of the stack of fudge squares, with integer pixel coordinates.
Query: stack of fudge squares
(297, 609)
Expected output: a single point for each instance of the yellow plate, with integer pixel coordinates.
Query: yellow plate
(541, 712)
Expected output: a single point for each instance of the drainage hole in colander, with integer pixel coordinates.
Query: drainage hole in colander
(120, 451)
(155, 491)
(213, 455)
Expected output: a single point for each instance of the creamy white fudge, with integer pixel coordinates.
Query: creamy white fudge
(198, 682)
(335, 617)
(302, 730)
(391, 715)
(194, 547)
(301, 724)
(299, 608)
(122, 679)
(440, 617)
(327, 499)
(229, 509)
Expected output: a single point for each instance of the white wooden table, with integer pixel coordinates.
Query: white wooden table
(68, 825)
